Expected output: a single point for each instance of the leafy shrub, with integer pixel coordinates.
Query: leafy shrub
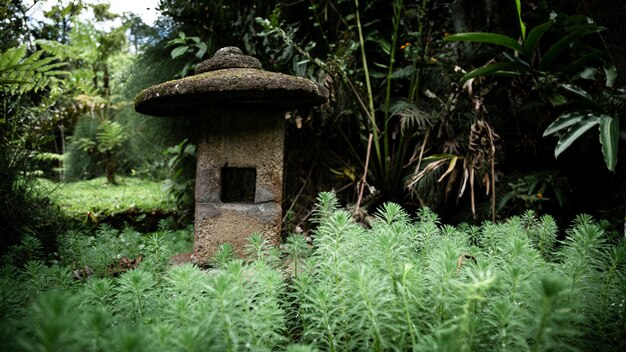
(401, 285)
(180, 184)
(25, 210)
(109, 139)
(78, 165)
(24, 77)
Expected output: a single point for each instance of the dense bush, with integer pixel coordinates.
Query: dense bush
(24, 208)
(399, 285)
(24, 77)
(78, 165)
(467, 148)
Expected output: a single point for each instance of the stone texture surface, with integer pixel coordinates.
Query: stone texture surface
(246, 137)
(224, 87)
(217, 224)
(229, 57)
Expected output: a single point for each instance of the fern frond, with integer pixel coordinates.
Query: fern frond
(412, 117)
(110, 136)
(20, 73)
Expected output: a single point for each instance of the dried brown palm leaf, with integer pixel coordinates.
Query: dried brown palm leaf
(482, 151)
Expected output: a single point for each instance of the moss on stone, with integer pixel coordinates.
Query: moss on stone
(231, 86)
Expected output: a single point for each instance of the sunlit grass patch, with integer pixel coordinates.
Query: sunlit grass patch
(97, 196)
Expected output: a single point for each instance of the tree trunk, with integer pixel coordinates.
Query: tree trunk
(109, 169)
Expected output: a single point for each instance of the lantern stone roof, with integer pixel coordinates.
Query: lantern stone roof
(229, 78)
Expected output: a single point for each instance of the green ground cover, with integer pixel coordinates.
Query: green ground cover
(96, 196)
(405, 283)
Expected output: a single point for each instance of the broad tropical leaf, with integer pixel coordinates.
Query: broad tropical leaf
(181, 50)
(574, 132)
(564, 121)
(491, 38)
(562, 44)
(202, 49)
(611, 76)
(534, 36)
(577, 90)
(609, 136)
(507, 68)
(522, 26)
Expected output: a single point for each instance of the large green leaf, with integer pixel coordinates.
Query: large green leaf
(609, 136)
(534, 36)
(491, 38)
(179, 51)
(202, 49)
(522, 26)
(611, 76)
(561, 45)
(574, 132)
(564, 121)
(577, 90)
(580, 62)
(490, 69)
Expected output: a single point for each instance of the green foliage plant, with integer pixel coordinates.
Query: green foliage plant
(90, 90)
(181, 165)
(109, 140)
(583, 110)
(381, 109)
(531, 191)
(183, 45)
(403, 283)
(20, 73)
(25, 78)
(297, 249)
(423, 286)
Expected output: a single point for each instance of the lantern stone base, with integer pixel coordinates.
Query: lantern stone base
(217, 224)
(238, 179)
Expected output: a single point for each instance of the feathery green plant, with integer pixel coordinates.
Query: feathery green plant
(259, 249)
(224, 254)
(401, 284)
(297, 249)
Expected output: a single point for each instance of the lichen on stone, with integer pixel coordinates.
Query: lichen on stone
(231, 86)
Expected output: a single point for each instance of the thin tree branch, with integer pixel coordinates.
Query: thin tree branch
(364, 177)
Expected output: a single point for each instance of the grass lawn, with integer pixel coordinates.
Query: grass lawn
(96, 196)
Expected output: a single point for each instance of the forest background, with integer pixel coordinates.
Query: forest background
(524, 115)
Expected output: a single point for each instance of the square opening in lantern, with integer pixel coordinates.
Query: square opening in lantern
(238, 184)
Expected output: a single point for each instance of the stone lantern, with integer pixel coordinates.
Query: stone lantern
(240, 109)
